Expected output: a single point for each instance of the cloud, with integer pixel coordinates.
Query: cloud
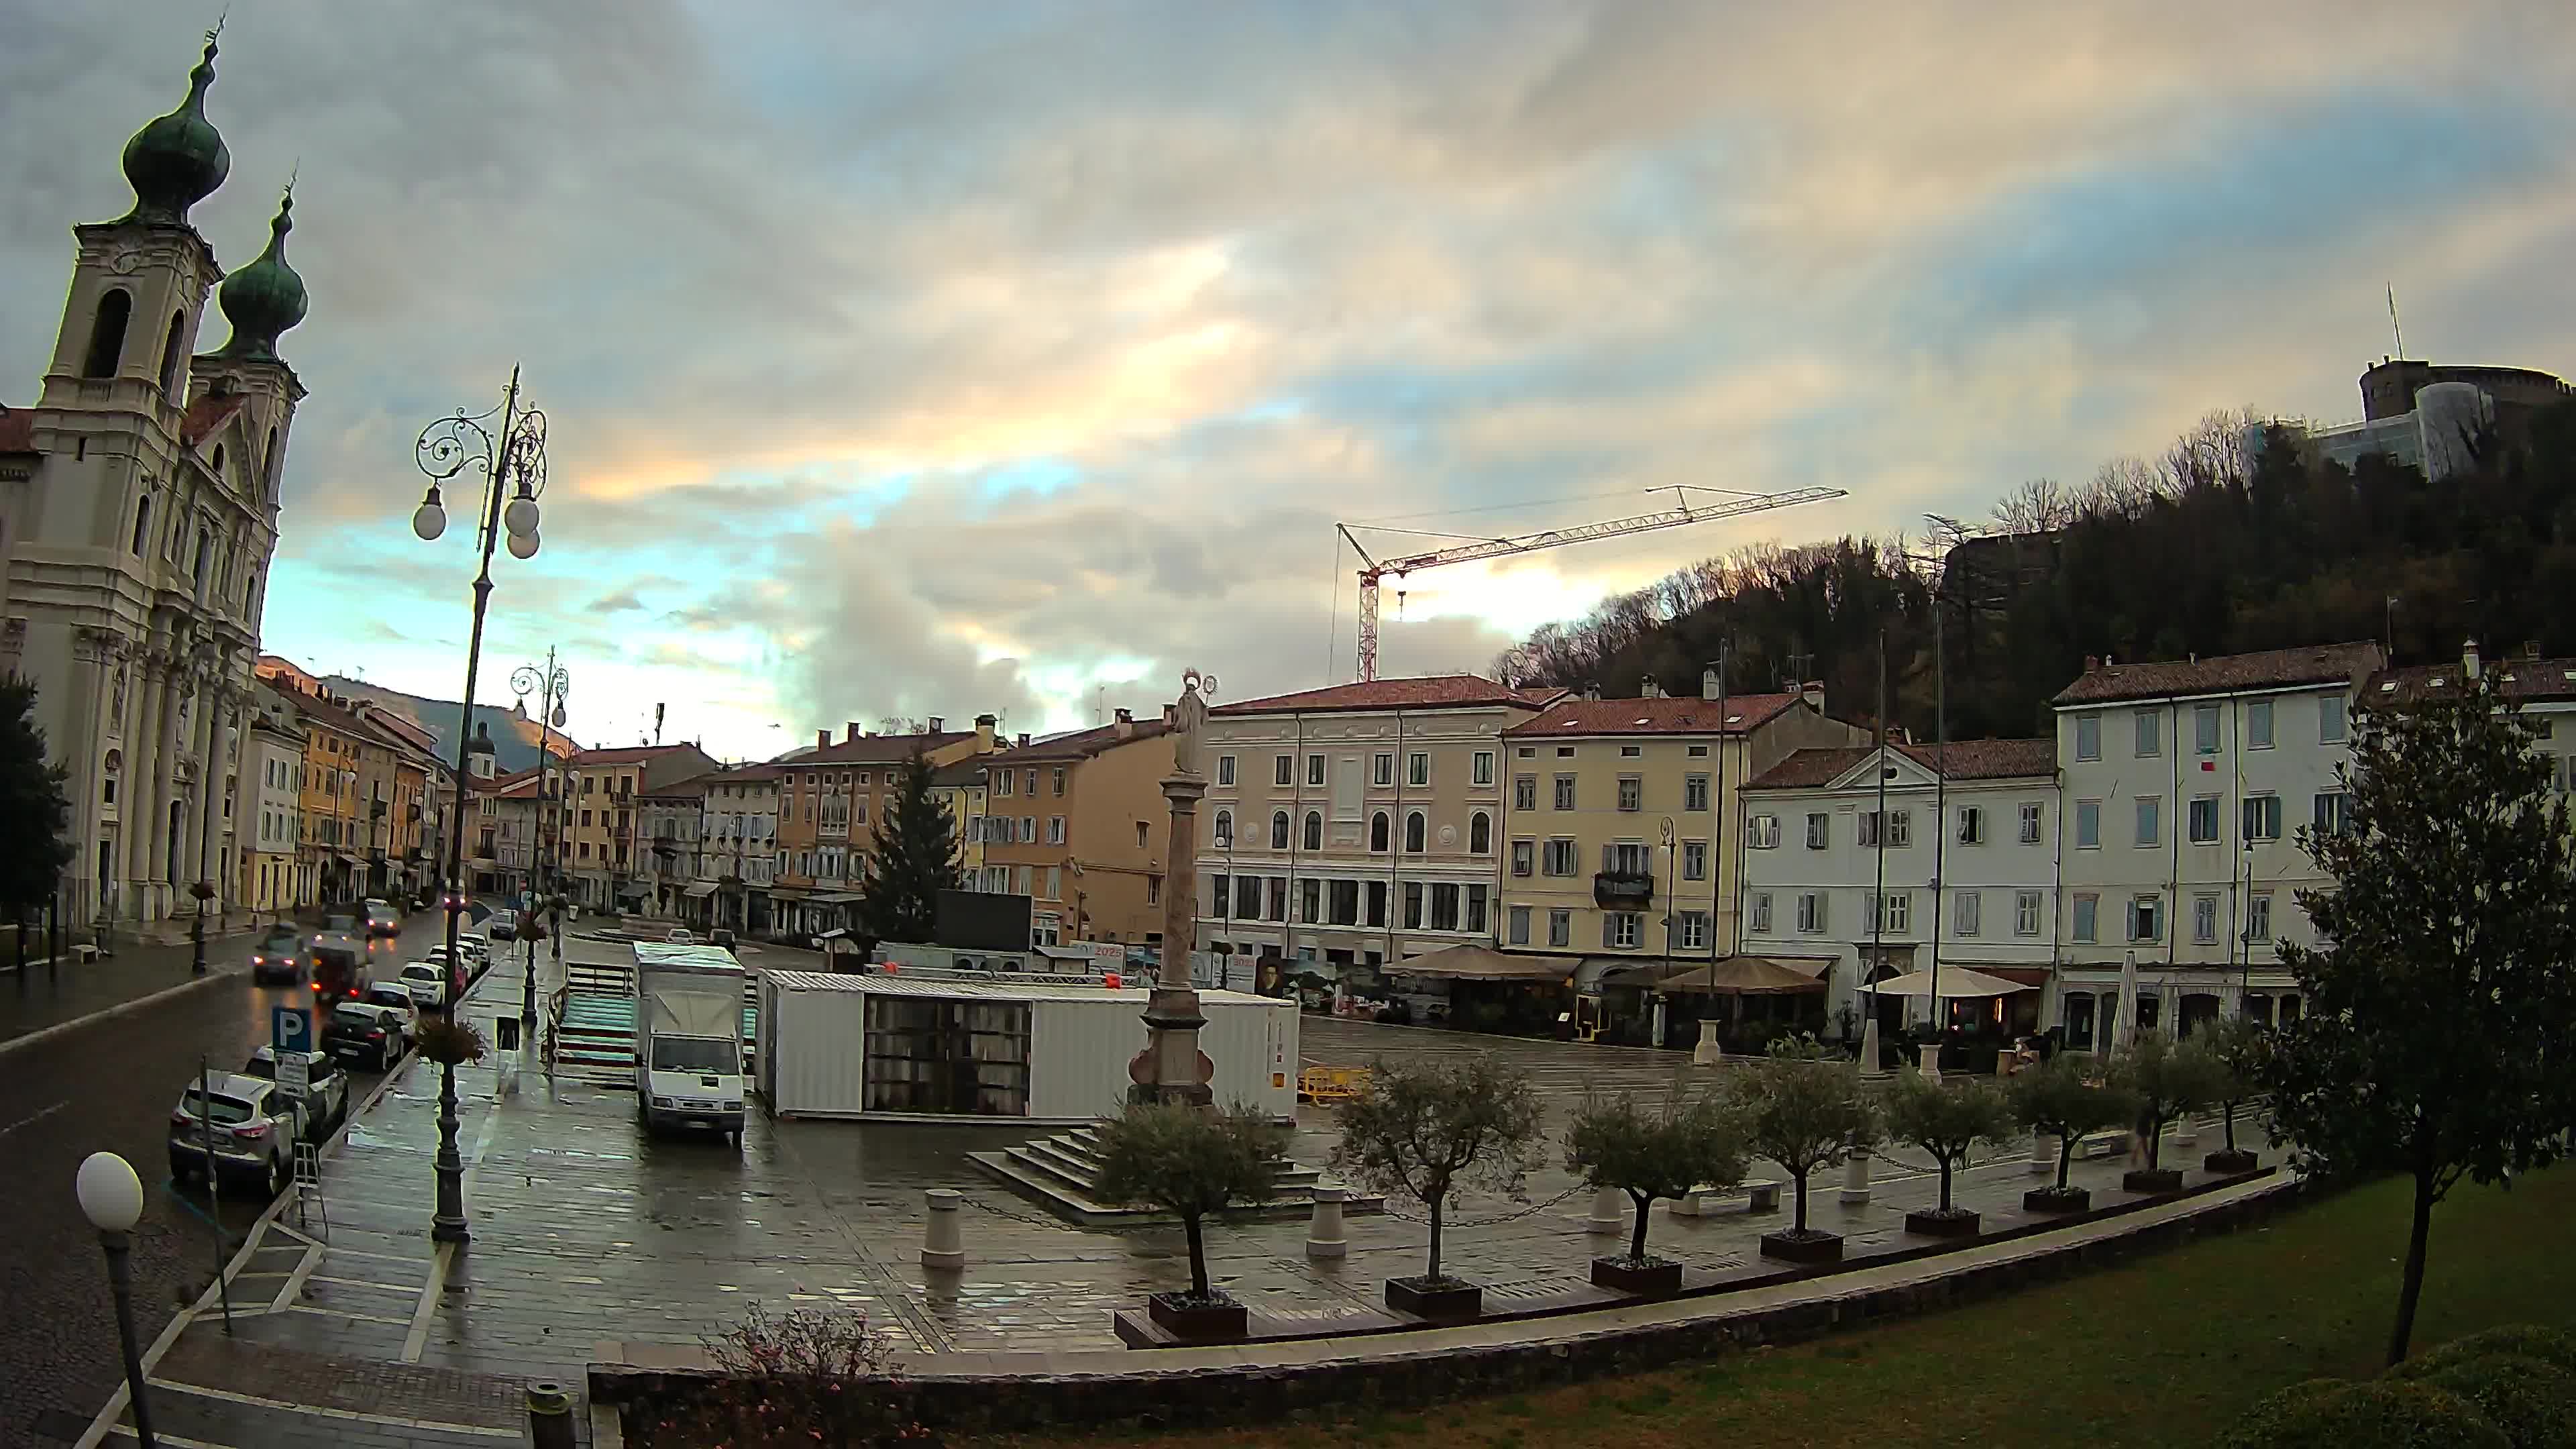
(1013, 357)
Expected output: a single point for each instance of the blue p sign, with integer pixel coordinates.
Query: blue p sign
(290, 1029)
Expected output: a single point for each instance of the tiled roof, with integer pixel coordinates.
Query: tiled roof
(2522, 680)
(626, 755)
(1434, 691)
(1079, 745)
(17, 430)
(1661, 716)
(875, 749)
(1959, 760)
(207, 414)
(968, 771)
(2223, 673)
(520, 786)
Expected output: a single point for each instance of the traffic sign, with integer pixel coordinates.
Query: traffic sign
(290, 1029)
(294, 1074)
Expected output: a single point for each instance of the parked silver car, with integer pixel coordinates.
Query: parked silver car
(249, 1124)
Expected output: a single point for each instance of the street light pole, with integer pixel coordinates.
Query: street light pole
(111, 1197)
(549, 685)
(446, 448)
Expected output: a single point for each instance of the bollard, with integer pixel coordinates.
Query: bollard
(1931, 1056)
(2186, 1132)
(1324, 1230)
(549, 1415)
(2043, 1153)
(1856, 1180)
(1870, 1065)
(1706, 1052)
(943, 1241)
(1607, 1215)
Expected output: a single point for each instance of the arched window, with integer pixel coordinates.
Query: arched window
(1480, 833)
(1224, 829)
(1378, 833)
(107, 334)
(1314, 830)
(1278, 830)
(205, 547)
(219, 462)
(269, 462)
(1413, 831)
(171, 356)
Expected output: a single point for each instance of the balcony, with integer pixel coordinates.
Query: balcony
(1622, 890)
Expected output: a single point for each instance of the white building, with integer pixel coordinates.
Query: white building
(1356, 825)
(273, 764)
(1829, 890)
(138, 525)
(2185, 784)
(741, 856)
(2544, 690)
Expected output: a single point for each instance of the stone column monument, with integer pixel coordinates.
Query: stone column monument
(1171, 1068)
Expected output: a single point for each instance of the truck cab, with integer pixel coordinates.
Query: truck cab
(688, 1038)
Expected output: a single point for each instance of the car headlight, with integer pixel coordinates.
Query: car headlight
(662, 1102)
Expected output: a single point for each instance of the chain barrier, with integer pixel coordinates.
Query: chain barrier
(1447, 1224)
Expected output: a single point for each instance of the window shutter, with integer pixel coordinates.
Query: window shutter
(1605, 928)
(1609, 858)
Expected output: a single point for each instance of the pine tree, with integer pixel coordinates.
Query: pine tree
(914, 860)
(35, 847)
(2441, 1001)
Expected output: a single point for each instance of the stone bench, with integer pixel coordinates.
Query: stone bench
(1762, 1195)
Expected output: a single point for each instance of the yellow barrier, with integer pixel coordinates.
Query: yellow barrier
(1332, 1084)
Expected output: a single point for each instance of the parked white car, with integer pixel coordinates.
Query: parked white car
(426, 981)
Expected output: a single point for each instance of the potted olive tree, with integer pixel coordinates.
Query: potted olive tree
(2164, 1079)
(1689, 1143)
(1425, 1130)
(2239, 1046)
(1946, 1119)
(1190, 1163)
(1805, 1110)
(2061, 1098)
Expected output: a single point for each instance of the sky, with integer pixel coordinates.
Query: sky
(916, 359)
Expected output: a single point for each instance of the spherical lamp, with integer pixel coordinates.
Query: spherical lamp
(430, 519)
(111, 1196)
(523, 545)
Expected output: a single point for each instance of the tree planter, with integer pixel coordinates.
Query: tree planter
(2152, 1179)
(1812, 1246)
(1651, 1278)
(1214, 1319)
(1443, 1298)
(2229, 1164)
(2057, 1200)
(1934, 1223)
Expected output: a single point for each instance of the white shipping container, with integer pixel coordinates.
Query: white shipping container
(996, 1050)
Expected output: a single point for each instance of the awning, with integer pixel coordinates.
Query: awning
(1956, 981)
(1733, 976)
(1479, 963)
(832, 898)
(347, 859)
(700, 889)
(2026, 976)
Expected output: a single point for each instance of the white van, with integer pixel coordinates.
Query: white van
(688, 1038)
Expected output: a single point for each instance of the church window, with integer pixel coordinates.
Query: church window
(219, 462)
(142, 522)
(271, 462)
(171, 356)
(205, 546)
(107, 334)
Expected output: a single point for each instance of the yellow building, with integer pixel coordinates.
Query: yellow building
(605, 869)
(832, 798)
(961, 789)
(1622, 816)
(332, 853)
(1079, 824)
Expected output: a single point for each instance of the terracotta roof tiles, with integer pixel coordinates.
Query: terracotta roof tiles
(1665, 715)
(17, 430)
(209, 413)
(1079, 745)
(1959, 760)
(2523, 680)
(1434, 691)
(2223, 673)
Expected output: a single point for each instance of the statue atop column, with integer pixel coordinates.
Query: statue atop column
(1187, 718)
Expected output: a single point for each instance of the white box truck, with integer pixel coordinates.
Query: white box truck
(688, 1038)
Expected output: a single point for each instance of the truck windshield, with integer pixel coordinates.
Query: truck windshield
(696, 1054)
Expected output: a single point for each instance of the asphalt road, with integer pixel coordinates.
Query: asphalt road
(112, 1084)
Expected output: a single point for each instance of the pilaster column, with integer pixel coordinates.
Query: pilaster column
(136, 791)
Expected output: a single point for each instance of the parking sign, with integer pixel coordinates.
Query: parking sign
(290, 1029)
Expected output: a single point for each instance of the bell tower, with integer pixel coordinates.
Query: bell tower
(139, 285)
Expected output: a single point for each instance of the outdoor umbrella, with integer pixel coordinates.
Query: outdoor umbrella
(2124, 1030)
(1956, 982)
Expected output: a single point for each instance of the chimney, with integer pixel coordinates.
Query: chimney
(1709, 687)
(938, 724)
(850, 731)
(1647, 688)
(822, 739)
(1024, 739)
(1591, 689)
(984, 724)
(1813, 692)
(1124, 725)
(2469, 660)
(2092, 663)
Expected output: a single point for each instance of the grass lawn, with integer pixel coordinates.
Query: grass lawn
(2162, 1351)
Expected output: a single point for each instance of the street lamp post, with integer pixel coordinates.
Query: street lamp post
(111, 1197)
(517, 455)
(549, 685)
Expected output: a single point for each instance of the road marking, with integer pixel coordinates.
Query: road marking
(294, 1284)
(366, 1283)
(324, 1411)
(32, 1118)
(418, 1338)
(345, 1313)
(172, 1439)
(122, 1008)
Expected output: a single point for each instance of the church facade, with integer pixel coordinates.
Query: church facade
(139, 499)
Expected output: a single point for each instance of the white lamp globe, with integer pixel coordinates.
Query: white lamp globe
(521, 516)
(523, 545)
(111, 1196)
(429, 520)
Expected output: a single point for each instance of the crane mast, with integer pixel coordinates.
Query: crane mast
(1675, 517)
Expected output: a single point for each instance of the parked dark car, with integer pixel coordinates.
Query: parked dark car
(365, 1034)
(504, 926)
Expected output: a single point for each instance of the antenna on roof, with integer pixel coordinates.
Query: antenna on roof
(2393, 326)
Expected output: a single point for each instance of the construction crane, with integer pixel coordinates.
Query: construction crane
(1681, 513)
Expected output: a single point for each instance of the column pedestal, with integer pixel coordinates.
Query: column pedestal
(1171, 1068)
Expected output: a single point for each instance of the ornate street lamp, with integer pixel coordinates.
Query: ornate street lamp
(513, 464)
(111, 1197)
(549, 684)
